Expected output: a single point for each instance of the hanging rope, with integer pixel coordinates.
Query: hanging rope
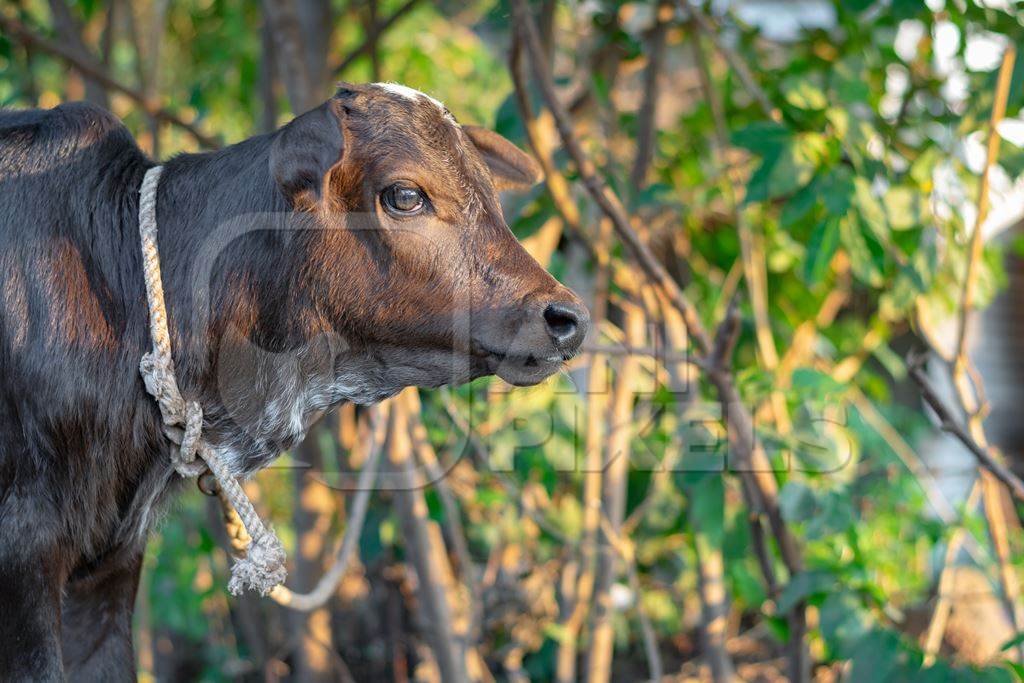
(238, 537)
(328, 583)
(262, 568)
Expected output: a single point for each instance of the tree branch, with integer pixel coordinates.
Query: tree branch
(991, 157)
(753, 461)
(598, 189)
(647, 130)
(736, 62)
(612, 504)
(69, 30)
(370, 41)
(17, 31)
(425, 553)
(952, 425)
(968, 388)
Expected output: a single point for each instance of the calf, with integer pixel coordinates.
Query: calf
(358, 250)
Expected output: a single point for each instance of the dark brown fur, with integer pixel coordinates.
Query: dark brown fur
(289, 288)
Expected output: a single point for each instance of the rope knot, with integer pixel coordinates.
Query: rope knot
(158, 376)
(262, 568)
(185, 461)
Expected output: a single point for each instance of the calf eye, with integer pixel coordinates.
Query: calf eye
(403, 200)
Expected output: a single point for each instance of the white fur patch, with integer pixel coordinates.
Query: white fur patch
(410, 93)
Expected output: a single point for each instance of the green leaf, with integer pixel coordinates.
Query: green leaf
(796, 502)
(762, 136)
(820, 250)
(879, 656)
(872, 213)
(849, 82)
(923, 167)
(842, 622)
(1012, 642)
(905, 9)
(902, 207)
(866, 254)
(811, 381)
(786, 169)
(891, 361)
(800, 203)
(747, 588)
(557, 632)
(805, 585)
(803, 94)
(778, 627)
(834, 515)
(857, 5)
(839, 119)
(837, 189)
(707, 505)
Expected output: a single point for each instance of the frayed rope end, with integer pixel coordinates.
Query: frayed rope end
(262, 568)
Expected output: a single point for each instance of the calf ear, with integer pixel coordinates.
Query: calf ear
(304, 151)
(511, 168)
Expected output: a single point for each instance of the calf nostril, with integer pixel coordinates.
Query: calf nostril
(562, 322)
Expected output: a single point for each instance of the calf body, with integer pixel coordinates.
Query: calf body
(358, 250)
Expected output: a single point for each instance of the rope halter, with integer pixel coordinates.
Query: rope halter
(263, 567)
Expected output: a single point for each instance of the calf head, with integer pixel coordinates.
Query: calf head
(412, 263)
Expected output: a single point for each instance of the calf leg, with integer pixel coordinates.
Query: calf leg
(97, 622)
(29, 619)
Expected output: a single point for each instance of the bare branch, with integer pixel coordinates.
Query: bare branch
(427, 457)
(933, 635)
(749, 455)
(655, 667)
(424, 553)
(69, 29)
(735, 62)
(968, 388)
(613, 501)
(372, 36)
(269, 83)
(647, 130)
(952, 425)
(992, 156)
(20, 33)
(726, 337)
(370, 41)
(710, 569)
(598, 189)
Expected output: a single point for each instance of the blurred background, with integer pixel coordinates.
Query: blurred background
(796, 225)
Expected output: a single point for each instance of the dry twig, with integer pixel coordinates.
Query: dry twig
(969, 392)
(952, 425)
(424, 552)
(736, 62)
(371, 39)
(615, 467)
(646, 118)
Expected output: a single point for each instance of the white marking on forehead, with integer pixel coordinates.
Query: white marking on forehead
(411, 94)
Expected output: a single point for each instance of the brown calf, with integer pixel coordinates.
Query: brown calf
(358, 250)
